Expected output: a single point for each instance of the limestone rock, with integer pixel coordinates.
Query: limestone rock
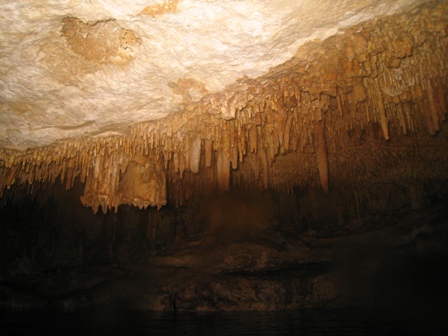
(73, 69)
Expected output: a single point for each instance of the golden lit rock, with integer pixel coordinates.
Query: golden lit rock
(112, 64)
(143, 185)
(160, 9)
(296, 124)
(102, 42)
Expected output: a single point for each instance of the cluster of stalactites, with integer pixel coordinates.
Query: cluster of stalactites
(391, 72)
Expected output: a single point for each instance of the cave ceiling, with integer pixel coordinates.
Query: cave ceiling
(137, 99)
(84, 68)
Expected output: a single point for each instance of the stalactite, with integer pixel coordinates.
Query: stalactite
(265, 166)
(234, 157)
(322, 156)
(223, 171)
(195, 155)
(384, 121)
(401, 117)
(433, 109)
(287, 133)
(390, 73)
(253, 139)
(443, 109)
(208, 153)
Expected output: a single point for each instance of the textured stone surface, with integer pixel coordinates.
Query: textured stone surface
(362, 110)
(76, 69)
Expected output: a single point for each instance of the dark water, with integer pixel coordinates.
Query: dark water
(307, 322)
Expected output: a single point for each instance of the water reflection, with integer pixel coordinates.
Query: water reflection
(306, 322)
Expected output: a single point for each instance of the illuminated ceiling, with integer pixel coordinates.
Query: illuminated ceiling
(72, 69)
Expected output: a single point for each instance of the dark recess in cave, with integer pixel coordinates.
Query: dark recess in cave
(236, 251)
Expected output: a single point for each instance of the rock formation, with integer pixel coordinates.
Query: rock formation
(346, 128)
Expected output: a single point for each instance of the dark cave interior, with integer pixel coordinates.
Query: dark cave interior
(239, 250)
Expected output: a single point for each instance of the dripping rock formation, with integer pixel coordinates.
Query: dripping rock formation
(189, 155)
